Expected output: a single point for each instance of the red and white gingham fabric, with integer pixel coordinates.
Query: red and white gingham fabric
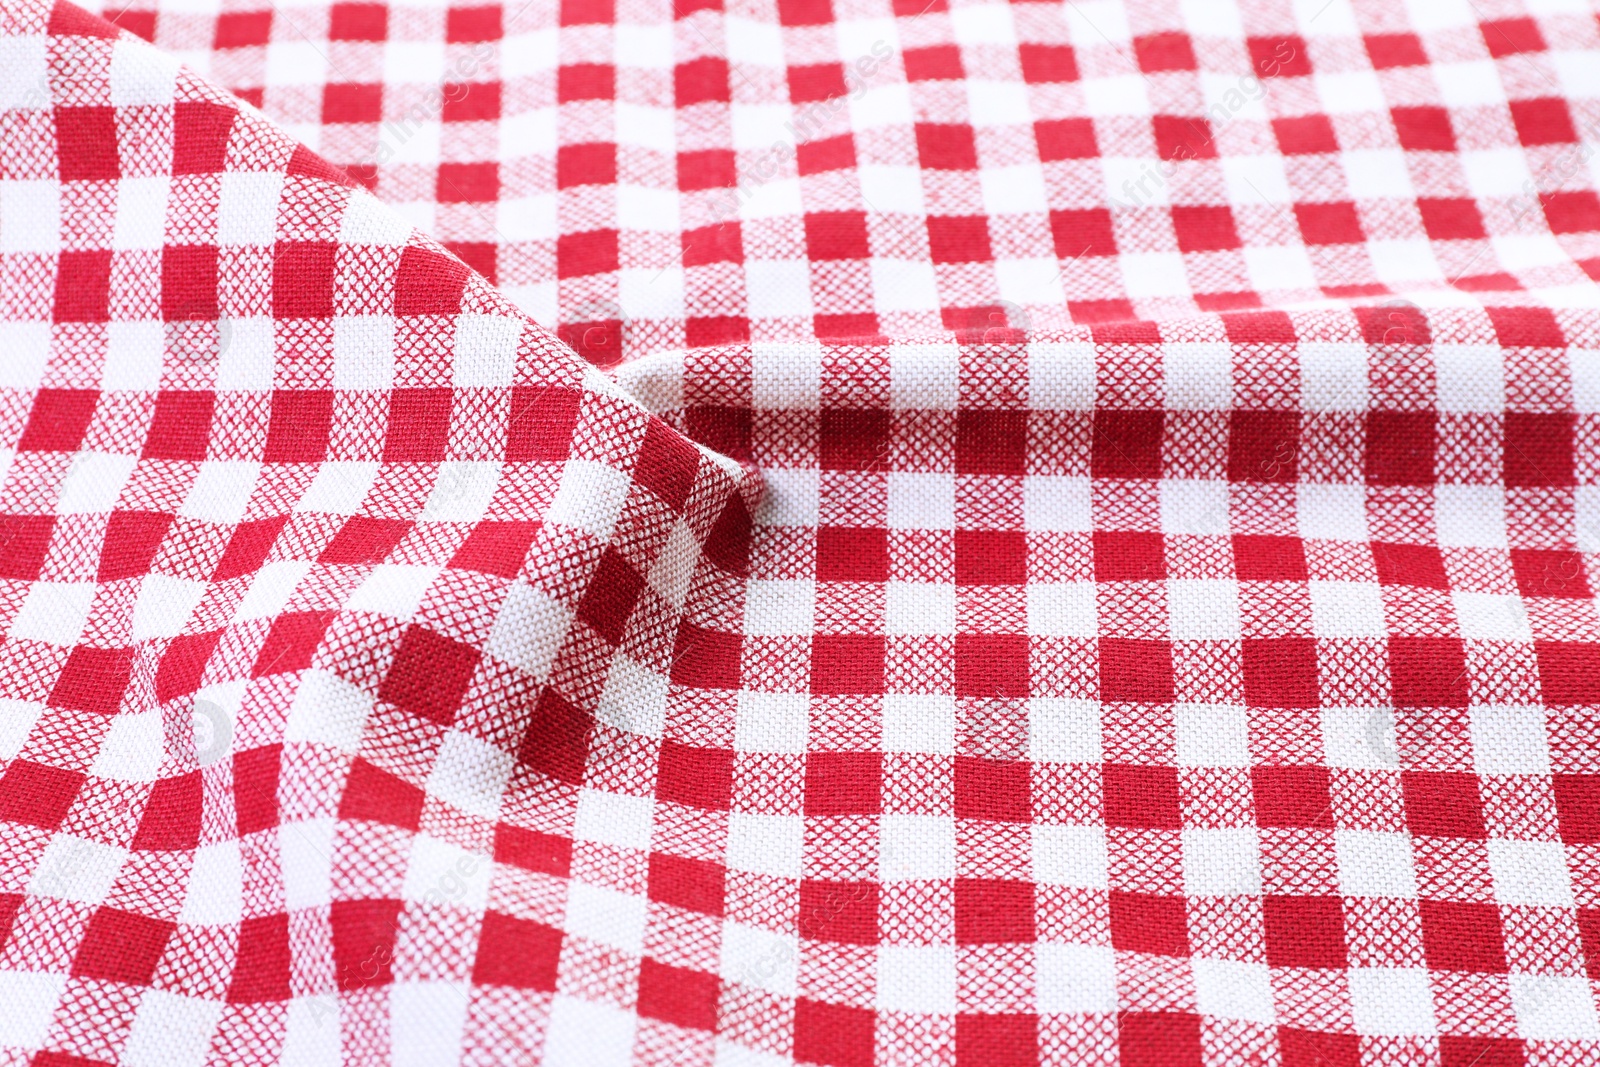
(1086, 554)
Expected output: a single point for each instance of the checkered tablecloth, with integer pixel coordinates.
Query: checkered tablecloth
(846, 532)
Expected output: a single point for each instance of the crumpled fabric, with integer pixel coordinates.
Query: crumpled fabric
(845, 532)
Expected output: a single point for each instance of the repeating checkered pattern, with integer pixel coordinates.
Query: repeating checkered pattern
(1161, 634)
(650, 174)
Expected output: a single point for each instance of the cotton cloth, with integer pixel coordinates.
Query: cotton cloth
(846, 532)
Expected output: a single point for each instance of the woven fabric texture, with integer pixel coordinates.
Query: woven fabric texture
(600, 533)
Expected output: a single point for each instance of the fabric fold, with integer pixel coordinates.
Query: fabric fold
(320, 554)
